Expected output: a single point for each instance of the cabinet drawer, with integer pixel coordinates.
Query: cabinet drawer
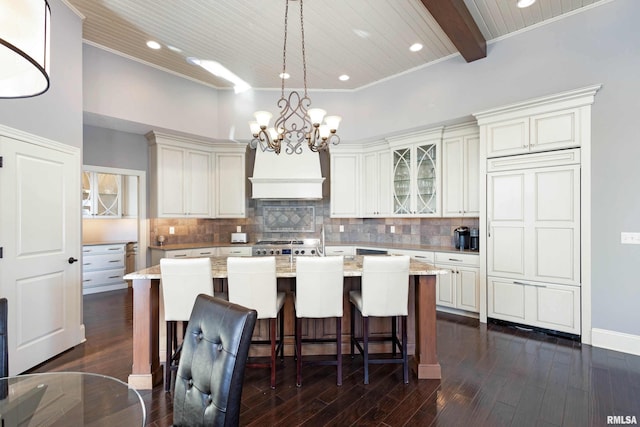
(102, 277)
(103, 249)
(339, 250)
(177, 254)
(203, 252)
(457, 258)
(235, 251)
(423, 256)
(101, 262)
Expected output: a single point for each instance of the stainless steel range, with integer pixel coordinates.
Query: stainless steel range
(306, 247)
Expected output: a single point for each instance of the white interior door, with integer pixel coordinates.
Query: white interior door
(40, 233)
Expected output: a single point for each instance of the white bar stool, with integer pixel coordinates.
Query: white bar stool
(252, 282)
(182, 281)
(384, 293)
(319, 294)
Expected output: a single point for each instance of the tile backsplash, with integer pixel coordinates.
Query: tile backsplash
(296, 215)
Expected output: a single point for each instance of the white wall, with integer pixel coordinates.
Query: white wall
(57, 114)
(598, 46)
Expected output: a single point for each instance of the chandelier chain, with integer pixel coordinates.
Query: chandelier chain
(284, 49)
(304, 56)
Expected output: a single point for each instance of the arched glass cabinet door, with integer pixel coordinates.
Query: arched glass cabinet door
(108, 195)
(87, 194)
(426, 179)
(402, 181)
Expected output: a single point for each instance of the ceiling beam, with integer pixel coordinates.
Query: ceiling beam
(458, 24)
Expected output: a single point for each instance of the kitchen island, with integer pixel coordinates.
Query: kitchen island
(146, 369)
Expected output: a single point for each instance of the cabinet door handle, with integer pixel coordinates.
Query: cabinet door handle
(114, 260)
(114, 249)
(180, 255)
(86, 280)
(454, 259)
(529, 284)
(113, 277)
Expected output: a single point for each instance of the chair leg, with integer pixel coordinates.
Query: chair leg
(365, 339)
(298, 352)
(167, 363)
(282, 334)
(272, 333)
(405, 358)
(339, 349)
(353, 324)
(394, 336)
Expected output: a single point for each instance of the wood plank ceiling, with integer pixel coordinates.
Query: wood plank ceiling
(367, 40)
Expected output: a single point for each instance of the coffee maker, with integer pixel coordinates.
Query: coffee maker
(474, 239)
(461, 237)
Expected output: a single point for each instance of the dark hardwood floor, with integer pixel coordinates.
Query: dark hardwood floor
(492, 376)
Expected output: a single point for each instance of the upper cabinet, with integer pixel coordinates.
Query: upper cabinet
(101, 195)
(230, 183)
(376, 182)
(460, 171)
(345, 184)
(193, 178)
(416, 160)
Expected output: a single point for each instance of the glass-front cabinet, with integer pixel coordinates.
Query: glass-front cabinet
(101, 194)
(416, 174)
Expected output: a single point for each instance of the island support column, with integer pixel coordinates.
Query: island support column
(146, 370)
(426, 338)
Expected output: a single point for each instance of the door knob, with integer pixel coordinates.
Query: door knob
(72, 260)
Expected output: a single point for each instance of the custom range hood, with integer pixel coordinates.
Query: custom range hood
(286, 176)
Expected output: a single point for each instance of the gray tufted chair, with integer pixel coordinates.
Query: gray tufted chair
(210, 374)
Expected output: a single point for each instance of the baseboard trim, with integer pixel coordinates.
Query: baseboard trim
(617, 341)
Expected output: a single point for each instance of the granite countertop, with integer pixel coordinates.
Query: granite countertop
(286, 267)
(368, 245)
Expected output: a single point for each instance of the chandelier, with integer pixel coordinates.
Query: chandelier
(296, 122)
(24, 48)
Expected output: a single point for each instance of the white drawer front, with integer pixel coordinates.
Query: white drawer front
(103, 249)
(102, 277)
(457, 258)
(239, 251)
(100, 262)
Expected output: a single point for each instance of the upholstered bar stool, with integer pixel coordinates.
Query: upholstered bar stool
(319, 290)
(252, 283)
(182, 281)
(384, 293)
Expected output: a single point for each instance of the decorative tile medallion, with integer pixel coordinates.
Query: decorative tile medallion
(289, 218)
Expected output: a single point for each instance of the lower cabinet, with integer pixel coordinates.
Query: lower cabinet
(544, 305)
(103, 268)
(235, 251)
(459, 288)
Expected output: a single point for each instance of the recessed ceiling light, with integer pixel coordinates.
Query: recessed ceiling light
(173, 48)
(525, 3)
(344, 77)
(415, 47)
(284, 75)
(153, 44)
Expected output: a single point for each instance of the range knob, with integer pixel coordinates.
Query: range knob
(313, 251)
(271, 252)
(277, 252)
(302, 252)
(297, 252)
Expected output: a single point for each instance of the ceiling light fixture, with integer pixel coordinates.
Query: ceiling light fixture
(24, 48)
(415, 47)
(344, 77)
(152, 44)
(525, 3)
(296, 122)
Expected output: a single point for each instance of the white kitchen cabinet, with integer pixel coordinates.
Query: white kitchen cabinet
(345, 184)
(376, 183)
(422, 256)
(129, 196)
(204, 252)
(533, 217)
(103, 268)
(181, 178)
(460, 172)
(459, 288)
(230, 183)
(551, 130)
(540, 304)
(416, 169)
(101, 195)
(235, 251)
(339, 250)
